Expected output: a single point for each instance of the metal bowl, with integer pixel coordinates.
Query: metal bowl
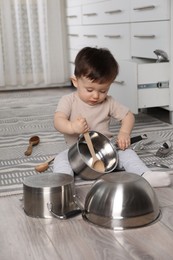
(121, 200)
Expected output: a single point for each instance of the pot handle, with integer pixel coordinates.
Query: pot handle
(67, 215)
(133, 140)
(138, 138)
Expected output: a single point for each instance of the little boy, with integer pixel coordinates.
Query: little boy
(91, 108)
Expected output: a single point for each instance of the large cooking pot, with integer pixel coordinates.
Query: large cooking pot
(50, 195)
(121, 200)
(81, 160)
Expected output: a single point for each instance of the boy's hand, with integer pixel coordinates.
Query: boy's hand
(80, 125)
(123, 140)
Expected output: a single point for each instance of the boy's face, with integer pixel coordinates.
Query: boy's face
(90, 92)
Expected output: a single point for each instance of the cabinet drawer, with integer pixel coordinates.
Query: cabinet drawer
(150, 10)
(73, 15)
(153, 84)
(116, 38)
(154, 97)
(74, 36)
(141, 84)
(149, 36)
(91, 36)
(106, 12)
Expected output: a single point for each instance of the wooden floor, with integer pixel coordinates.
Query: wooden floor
(26, 238)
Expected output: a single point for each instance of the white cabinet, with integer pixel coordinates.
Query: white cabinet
(132, 30)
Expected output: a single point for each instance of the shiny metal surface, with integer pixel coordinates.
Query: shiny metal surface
(41, 190)
(81, 159)
(121, 200)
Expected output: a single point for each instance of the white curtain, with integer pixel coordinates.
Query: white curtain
(32, 43)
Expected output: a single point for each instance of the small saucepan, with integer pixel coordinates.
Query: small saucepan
(81, 160)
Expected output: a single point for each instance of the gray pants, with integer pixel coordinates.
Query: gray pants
(128, 160)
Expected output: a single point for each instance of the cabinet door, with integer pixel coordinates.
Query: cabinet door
(149, 36)
(124, 89)
(150, 10)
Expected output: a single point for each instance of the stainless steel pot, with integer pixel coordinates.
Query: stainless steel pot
(81, 159)
(121, 200)
(50, 195)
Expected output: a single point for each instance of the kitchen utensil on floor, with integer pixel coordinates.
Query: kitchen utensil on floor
(50, 195)
(81, 160)
(146, 139)
(121, 200)
(44, 166)
(164, 149)
(34, 140)
(157, 164)
(97, 164)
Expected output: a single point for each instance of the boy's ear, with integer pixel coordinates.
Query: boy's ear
(74, 81)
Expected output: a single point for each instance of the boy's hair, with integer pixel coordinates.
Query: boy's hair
(98, 65)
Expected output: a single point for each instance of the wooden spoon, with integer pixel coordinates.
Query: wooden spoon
(44, 166)
(97, 164)
(34, 140)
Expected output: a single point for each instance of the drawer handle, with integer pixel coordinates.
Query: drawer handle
(71, 16)
(120, 82)
(147, 7)
(90, 35)
(113, 11)
(112, 36)
(145, 36)
(73, 35)
(90, 14)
